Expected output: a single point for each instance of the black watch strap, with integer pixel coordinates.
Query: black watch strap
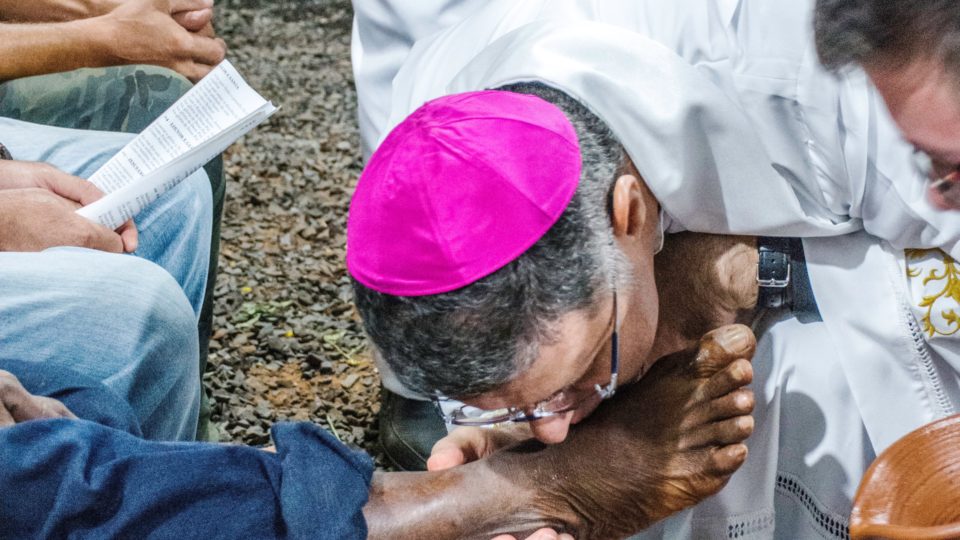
(773, 272)
(783, 279)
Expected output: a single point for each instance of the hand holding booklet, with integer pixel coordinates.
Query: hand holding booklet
(220, 109)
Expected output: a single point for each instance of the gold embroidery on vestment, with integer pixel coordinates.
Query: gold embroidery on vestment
(946, 271)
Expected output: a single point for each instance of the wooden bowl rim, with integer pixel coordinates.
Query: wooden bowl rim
(861, 527)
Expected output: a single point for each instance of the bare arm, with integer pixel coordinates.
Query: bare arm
(38, 11)
(137, 32)
(54, 10)
(37, 49)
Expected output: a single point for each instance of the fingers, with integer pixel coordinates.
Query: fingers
(129, 236)
(100, 238)
(204, 57)
(553, 429)
(178, 6)
(205, 50)
(45, 407)
(207, 31)
(462, 445)
(196, 21)
(70, 187)
(29, 174)
(467, 444)
(446, 458)
(40, 219)
(18, 405)
(6, 419)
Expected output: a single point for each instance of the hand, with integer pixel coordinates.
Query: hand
(158, 32)
(466, 444)
(18, 405)
(194, 18)
(199, 21)
(38, 210)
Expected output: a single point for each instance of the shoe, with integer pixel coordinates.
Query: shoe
(408, 430)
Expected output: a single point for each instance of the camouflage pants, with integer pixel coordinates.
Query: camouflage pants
(124, 99)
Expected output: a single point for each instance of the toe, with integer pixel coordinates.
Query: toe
(723, 346)
(722, 433)
(727, 459)
(731, 378)
(740, 402)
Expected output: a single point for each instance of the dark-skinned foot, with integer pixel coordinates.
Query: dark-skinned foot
(662, 445)
(659, 446)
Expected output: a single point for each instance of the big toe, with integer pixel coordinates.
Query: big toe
(721, 347)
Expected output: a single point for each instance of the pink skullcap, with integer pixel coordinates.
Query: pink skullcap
(460, 188)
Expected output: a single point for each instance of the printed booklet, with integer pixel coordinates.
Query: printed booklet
(220, 109)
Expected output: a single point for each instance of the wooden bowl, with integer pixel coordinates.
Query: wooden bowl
(912, 490)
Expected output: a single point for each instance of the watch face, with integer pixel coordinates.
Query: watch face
(4, 153)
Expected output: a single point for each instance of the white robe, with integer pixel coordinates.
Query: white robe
(383, 34)
(731, 121)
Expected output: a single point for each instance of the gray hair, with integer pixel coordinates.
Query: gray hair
(470, 340)
(867, 31)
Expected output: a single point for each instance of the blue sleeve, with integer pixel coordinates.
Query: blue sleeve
(78, 479)
(85, 397)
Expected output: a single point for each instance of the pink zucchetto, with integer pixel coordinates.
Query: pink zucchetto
(460, 188)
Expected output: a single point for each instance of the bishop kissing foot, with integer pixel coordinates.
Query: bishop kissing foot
(662, 445)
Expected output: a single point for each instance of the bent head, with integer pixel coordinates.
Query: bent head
(541, 324)
(911, 51)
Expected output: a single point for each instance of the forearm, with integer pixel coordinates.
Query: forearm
(37, 49)
(36, 11)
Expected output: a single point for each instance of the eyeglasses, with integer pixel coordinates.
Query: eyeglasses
(563, 401)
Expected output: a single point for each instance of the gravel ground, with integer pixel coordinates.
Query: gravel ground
(287, 342)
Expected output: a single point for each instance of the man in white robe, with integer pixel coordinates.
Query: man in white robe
(727, 114)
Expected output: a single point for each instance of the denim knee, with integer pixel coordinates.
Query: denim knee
(163, 382)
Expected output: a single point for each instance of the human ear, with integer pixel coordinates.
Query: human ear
(628, 210)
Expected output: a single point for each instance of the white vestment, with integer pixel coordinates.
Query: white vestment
(384, 31)
(735, 127)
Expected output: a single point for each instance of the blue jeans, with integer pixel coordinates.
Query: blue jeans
(93, 478)
(128, 321)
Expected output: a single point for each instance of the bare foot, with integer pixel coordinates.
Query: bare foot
(663, 445)
(659, 446)
(704, 281)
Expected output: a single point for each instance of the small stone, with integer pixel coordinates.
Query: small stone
(256, 432)
(276, 344)
(350, 380)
